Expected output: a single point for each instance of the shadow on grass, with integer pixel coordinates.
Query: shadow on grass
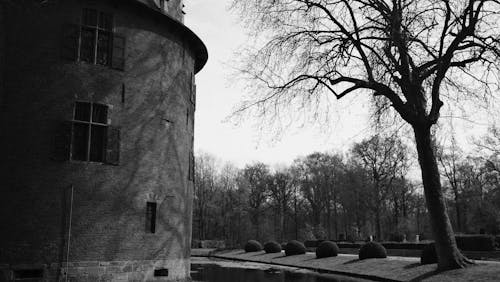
(412, 265)
(314, 258)
(352, 261)
(425, 276)
(259, 254)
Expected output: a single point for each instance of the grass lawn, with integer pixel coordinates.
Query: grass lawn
(389, 269)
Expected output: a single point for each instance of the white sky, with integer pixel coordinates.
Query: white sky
(217, 95)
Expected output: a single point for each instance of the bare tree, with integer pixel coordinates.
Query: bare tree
(256, 177)
(408, 53)
(204, 191)
(281, 193)
(450, 159)
(385, 159)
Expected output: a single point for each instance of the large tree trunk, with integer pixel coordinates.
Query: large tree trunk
(449, 257)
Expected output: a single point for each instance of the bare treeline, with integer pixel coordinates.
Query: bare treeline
(365, 192)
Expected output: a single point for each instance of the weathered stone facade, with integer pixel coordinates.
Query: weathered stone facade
(2, 52)
(87, 220)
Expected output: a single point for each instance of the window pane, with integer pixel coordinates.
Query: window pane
(87, 51)
(82, 111)
(89, 17)
(80, 141)
(97, 143)
(105, 21)
(100, 113)
(103, 48)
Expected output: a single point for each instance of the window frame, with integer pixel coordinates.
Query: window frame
(97, 29)
(90, 123)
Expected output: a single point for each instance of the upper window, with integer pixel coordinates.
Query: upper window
(93, 41)
(96, 37)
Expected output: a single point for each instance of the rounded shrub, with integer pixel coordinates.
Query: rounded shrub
(272, 247)
(294, 248)
(327, 249)
(428, 255)
(253, 246)
(372, 250)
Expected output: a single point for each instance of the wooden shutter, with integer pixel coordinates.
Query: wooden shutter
(118, 53)
(113, 146)
(70, 42)
(62, 141)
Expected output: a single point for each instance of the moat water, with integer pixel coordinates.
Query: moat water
(206, 270)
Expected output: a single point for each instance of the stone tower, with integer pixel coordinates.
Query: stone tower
(97, 101)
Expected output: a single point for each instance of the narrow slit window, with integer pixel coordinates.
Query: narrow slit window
(151, 217)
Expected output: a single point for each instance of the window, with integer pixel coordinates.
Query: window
(151, 217)
(96, 36)
(88, 136)
(93, 41)
(90, 124)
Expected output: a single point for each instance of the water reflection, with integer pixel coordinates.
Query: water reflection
(217, 273)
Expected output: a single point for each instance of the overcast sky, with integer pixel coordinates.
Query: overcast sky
(218, 94)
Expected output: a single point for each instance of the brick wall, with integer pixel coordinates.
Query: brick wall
(2, 42)
(148, 101)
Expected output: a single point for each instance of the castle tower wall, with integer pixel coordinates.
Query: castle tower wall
(91, 219)
(2, 51)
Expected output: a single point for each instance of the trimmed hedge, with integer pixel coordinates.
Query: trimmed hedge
(475, 242)
(272, 247)
(253, 246)
(327, 249)
(372, 250)
(429, 255)
(294, 248)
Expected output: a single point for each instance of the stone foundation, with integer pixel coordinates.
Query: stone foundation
(92, 271)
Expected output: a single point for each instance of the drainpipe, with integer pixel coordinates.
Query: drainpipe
(69, 232)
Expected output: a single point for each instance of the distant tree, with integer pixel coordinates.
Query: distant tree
(315, 176)
(281, 191)
(204, 191)
(229, 202)
(409, 54)
(386, 158)
(353, 200)
(450, 159)
(402, 193)
(256, 179)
